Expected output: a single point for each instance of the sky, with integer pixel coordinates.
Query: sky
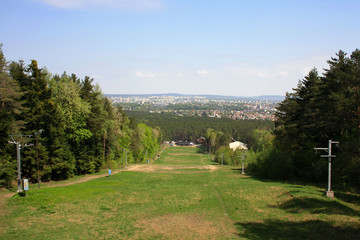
(222, 47)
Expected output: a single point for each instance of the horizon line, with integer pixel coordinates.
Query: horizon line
(182, 94)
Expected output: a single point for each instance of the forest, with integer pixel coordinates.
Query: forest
(69, 127)
(218, 133)
(321, 108)
(188, 128)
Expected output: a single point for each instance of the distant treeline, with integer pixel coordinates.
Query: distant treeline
(175, 127)
(74, 129)
(183, 107)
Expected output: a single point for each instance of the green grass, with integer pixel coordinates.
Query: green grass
(181, 203)
(183, 156)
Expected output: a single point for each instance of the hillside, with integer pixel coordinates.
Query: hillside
(182, 195)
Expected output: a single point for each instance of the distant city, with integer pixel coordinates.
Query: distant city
(237, 108)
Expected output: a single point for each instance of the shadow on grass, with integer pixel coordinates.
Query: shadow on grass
(237, 170)
(11, 188)
(275, 229)
(348, 197)
(316, 206)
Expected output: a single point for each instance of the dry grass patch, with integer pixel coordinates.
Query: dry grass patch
(194, 226)
(181, 154)
(3, 210)
(166, 169)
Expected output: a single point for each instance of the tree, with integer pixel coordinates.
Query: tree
(144, 142)
(10, 108)
(10, 105)
(71, 112)
(38, 111)
(211, 139)
(82, 131)
(319, 109)
(71, 108)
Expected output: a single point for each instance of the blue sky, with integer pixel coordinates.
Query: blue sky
(225, 47)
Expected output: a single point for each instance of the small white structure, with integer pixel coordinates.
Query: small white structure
(237, 145)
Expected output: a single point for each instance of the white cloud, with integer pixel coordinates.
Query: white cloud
(263, 75)
(203, 72)
(127, 5)
(144, 74)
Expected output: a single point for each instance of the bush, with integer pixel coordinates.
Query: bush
(274, 164)
(251, 161)
(228, 156)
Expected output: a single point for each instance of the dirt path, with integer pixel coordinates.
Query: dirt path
(135, 167)
(167, 168)
(5, 196)
(81, 180)
(84, 179)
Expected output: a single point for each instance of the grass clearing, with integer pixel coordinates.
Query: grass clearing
(183, 196)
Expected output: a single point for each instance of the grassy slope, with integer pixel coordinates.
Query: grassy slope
(181, 203)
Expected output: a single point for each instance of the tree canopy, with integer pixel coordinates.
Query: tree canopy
(320, 108)
(191, 128)
(82, 132)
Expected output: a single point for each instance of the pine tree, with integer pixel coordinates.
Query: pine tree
(38, 111)
(10, 108)
(321, 109)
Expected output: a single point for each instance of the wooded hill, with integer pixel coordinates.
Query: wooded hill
(81, 132)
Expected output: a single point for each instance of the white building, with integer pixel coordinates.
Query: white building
(238, 145)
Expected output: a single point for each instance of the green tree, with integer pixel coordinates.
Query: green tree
(10, 105)
(71, 112)
(319, 109)
(144, 142)
(10, 108)
(82, 131)
(71, 108)
(38, 110)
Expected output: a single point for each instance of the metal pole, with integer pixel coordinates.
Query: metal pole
(328, 193)
(242, 158)
(125, 158)
(123, 161)
(18, 146)
(222, 158)
(329, 168)
(37, 160)
(104, 147)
